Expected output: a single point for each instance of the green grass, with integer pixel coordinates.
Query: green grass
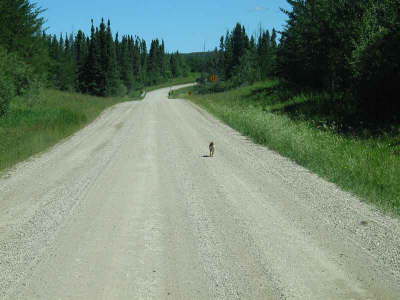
(367, 167)
(30, 129)
(27, 130)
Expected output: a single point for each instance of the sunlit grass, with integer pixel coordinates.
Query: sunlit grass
(367, 167)
(32, 128)
(27, 130)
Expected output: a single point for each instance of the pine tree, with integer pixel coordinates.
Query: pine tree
(177, 66)
(102, 65)
(154, 62)
(144, 61)
(81, 53)
(126, 66)
(21, 31)
(92, 70)
(66, 67)
(112, 82)
(138, 60)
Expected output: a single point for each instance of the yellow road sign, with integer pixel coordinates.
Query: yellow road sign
(214, 78)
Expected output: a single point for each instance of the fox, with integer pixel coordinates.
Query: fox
(212, 149)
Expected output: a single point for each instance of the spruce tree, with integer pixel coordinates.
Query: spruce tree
(138, 67)
(81, 53)
(154, 63)
(126, 65)
(92, 70)
(102, 65)
(112, 83)
(21, 32)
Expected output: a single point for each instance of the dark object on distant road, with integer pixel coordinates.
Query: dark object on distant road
(212, 149)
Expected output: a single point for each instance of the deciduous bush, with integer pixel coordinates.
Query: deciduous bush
(376, 61)
(16, 79)
(7, 85)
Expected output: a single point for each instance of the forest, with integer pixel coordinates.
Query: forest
(100, 64)
(345, 53)
(104, 65)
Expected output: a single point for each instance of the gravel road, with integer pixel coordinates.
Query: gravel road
(130, 207)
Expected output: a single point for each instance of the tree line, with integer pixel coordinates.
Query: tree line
(242, 59)
(348, 49)
(351, 47)
(100, 63)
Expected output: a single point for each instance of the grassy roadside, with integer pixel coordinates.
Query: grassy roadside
(30, 129)
(27, 130)
(367, 167)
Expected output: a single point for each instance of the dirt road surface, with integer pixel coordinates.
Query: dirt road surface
(130, 208)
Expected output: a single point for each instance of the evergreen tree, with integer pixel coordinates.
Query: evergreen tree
(144, 61)
(23, 50)
(375, 61)
(21, 31)
(92, 72)
(113, 85)
(97, 64)
(316, 44)
(66, 68)
(154, 64)
(138, 59)
(81, 53)
(126, 65)
(247, 72)
(264, 54)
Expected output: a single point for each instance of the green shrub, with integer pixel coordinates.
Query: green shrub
(368, 167)
(247, 71)
(217, 87)
(16, 79)
(7, 86)
(120, 90)
(376, 61)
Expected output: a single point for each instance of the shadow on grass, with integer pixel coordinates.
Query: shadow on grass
(335, 112)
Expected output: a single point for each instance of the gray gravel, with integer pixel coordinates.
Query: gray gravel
(129, 208)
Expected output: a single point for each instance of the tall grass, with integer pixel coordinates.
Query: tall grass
(367, 167)
(29, 129)
(32, 127)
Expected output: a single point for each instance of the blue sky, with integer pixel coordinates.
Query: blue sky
(184, 25)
